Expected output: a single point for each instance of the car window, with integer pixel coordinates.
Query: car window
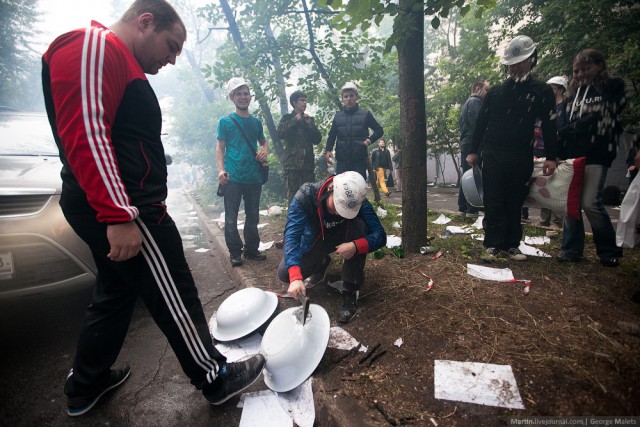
(26, 135)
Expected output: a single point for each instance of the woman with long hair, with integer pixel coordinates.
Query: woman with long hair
(592, 131)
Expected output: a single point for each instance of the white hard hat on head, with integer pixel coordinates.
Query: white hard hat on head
(349, 191)
(518, 49)
(234, 83)
(558, 80)
(349, 86)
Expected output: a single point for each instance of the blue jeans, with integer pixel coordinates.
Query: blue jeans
(604, 235)
(233, 195)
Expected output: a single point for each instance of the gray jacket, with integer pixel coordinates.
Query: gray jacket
(468, 116)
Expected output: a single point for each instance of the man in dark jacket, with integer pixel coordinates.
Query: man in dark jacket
(467, 124)
(330, 216)
(350, 134)
(504, 134)
(300, 134)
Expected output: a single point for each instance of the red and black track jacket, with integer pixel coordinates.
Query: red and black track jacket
(106, 121)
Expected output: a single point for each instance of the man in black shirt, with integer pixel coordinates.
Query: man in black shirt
(504, 134)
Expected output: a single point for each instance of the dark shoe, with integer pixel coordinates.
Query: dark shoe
(566, 258)
(490, 255)
(80, 405)
(320, 276)
(516, 255)
(254, 255)
(349, 306)
(610, 262)
(238, 377)
(236, 260)
(389, 193)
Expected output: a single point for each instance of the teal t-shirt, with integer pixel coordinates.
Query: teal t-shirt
(239, 161)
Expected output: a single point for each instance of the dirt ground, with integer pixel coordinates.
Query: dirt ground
(573, 342)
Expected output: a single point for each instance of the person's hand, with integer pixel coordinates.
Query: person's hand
(296, 287)
(307, 119)
(299, 116)
(471, 159)
(328, 157)
(346, 250)
(548, 167)
(261, 156)
(223, 177)
(124, 241)
(367, 142)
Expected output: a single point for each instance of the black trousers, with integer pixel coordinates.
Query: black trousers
(312, 261)
(505, 181)
(160, 276)
(233, 196)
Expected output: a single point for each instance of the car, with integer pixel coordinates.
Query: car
(39, 252)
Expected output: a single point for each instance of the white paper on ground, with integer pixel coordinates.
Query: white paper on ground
(393, 241)
(188, 236)
(239, 349)
(398, 342)
(396, 225)
(264, 212)
(202, 250)
(262, 225)
(381, 212)
(478, 237)
(453, 229)
(274, 210)
(298, 403)
(489, 273)
(264, 246)
(478, 223)
(442, 219)
(263, 410)
(341, 339)
(479, 383)
(537, 240)
(531, 251)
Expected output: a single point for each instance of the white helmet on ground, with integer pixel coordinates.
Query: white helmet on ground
(349, 86)
(349, 191)
(234, 83)
(518, 49)
(558, 80)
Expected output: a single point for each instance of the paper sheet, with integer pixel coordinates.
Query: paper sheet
(393, 241)
(488, 273)
(263, 410)
(478, 223)
(264, 246)
(238, 349)
(537, 240)
(341, 339)
(202, 250)
(479, 383)
(531, 251)
(442, 219)
(263, 225)
(298, 403)
(381, 212)
(459, 230)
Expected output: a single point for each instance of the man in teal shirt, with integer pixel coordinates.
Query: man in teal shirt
(238, 159)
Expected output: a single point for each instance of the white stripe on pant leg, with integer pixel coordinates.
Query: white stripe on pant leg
(160, 271)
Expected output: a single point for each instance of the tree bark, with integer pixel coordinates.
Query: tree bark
(413, 130)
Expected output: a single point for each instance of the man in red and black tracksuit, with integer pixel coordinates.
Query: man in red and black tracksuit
(106, 121)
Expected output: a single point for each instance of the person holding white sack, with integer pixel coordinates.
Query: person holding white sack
(592, 131)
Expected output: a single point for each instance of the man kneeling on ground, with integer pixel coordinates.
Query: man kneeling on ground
(327, 216)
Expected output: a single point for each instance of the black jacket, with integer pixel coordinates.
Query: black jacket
(349, 130)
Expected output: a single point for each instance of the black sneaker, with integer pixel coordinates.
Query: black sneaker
(255, 255)
(80, 405)
(238, 377)
(320, 276)
(349, 306)
(490, 255)
(566, 258)
(236, 260)
(610, 262)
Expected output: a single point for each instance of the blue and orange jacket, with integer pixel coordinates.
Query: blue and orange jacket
(305, 226)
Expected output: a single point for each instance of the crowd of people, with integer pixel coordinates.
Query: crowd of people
(106, 121)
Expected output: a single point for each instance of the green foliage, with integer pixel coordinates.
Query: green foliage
(19, 62)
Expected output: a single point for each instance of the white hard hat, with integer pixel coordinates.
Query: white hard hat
(349, 86)
(518, 49)
(234, 83)
(349, 191)
(558, 80)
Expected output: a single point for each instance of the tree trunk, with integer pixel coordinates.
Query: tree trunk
(413, 130)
